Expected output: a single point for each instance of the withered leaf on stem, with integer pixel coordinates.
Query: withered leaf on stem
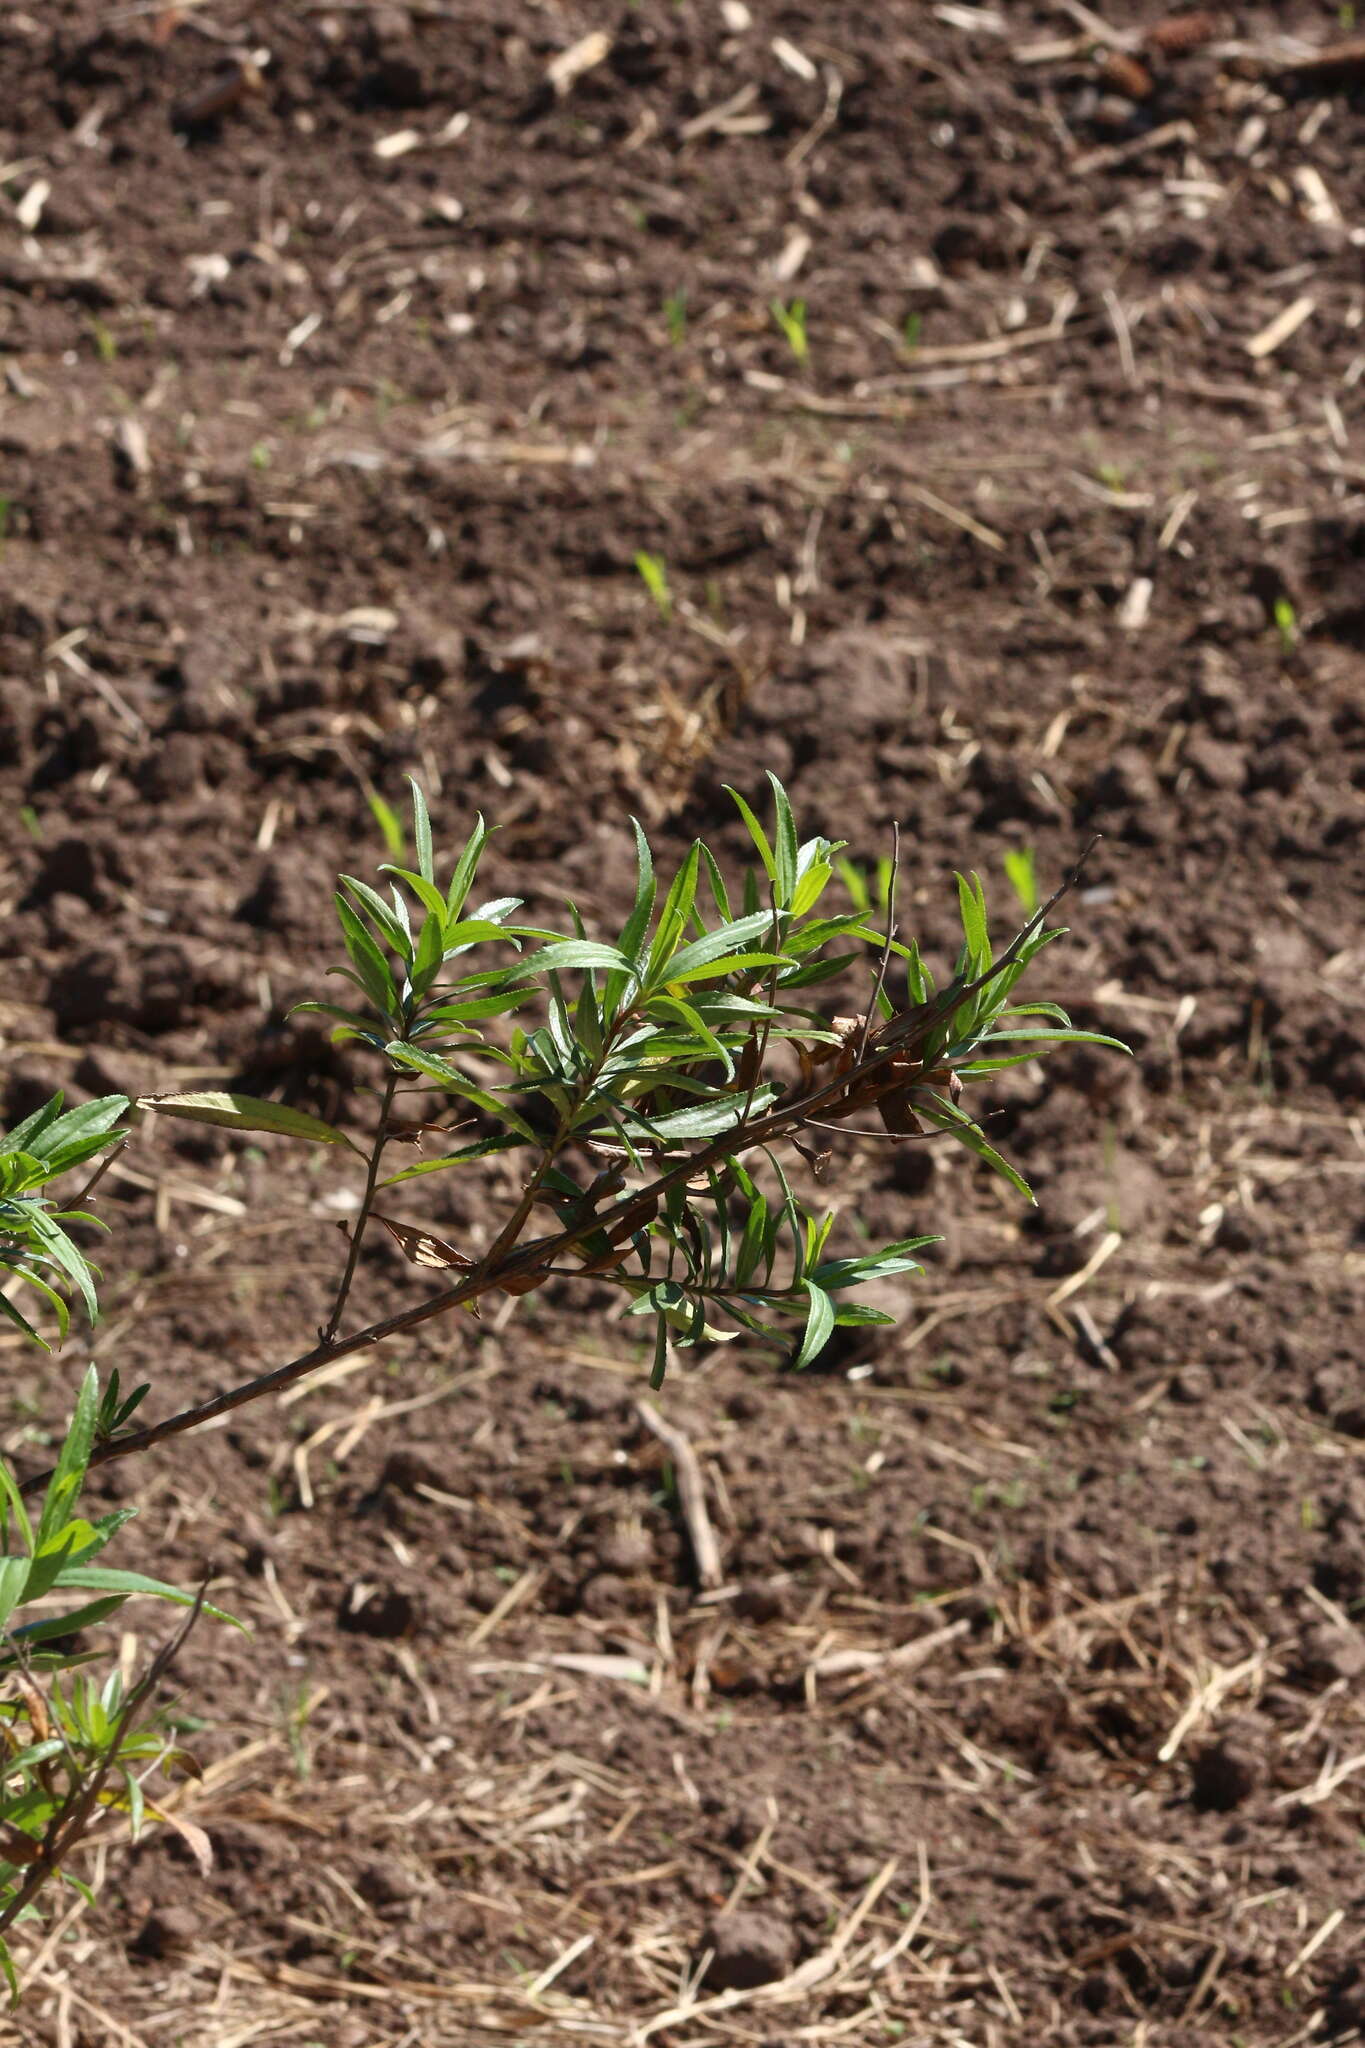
(424, 1248)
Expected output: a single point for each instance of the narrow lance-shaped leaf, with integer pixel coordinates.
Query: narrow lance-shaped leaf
(421, 833)
(437, 1069)
(732, 938)
(674, 915)
(367, 959)
(246, 1113)
(785, 845)
(756, 833)
(43, 1135)
(466, 868)
(819, 1323)
(384, 918)
(69, 1471)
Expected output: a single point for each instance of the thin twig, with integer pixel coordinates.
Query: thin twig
(97, 1176)
(363, 1215)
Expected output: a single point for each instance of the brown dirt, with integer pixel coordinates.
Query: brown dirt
(323, 465)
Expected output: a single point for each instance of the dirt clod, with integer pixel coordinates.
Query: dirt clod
(750, 1947)
(1224, 1774)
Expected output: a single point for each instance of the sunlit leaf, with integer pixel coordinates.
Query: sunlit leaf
(246, 1113)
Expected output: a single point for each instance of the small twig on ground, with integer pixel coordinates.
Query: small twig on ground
(691, 1494)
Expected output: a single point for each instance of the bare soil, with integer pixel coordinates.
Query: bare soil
(341, 393)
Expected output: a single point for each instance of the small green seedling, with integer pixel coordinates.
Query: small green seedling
(792, 321)
(654, 576)
(1286, 625)
(675, 317)
(1021, 874)
(106, 348)
(388, 822)
(867, 891)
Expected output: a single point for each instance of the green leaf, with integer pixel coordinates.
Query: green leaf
(646, 888)
(811, 887)
(567, 953)
(69, 1471)
(427, 894)
(1019, 869)
(1061, 1036)
(660, 1364)
(78, 1150)
(14, 1573)
(14, 1504)
(674, 915)
(705, 1036)
(87, 1120)
(430, 953)
(100, 1578)
(368, 961)
(756, 833)
(720, 895)
(136, 1804)
(753, 1243)
(67, 1624)
(366, 1027)
(470, 931)
(20, 1320)
(246, 1113)
(36, 1753)
(477, 1007)
(480, 1149)
(727, 938)
(785, 853)
(734, 963)
(57, 1247)
(705, 1120)
(972, 903)
(820, 1319)
(21, 1138)
(462, 881)
(379, 910)
(387, 820)
(945, 1116)
(421, 833)
(454, 1082)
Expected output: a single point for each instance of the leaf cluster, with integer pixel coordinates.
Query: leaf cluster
(36, 1247)
(68, 1741)
(72, 1747)
(638, 1073)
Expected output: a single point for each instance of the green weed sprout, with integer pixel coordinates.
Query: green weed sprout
(1022, 875)
(792, 321)
(1286, 625)
(654, 576)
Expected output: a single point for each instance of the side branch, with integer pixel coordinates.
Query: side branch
(889, 1042)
